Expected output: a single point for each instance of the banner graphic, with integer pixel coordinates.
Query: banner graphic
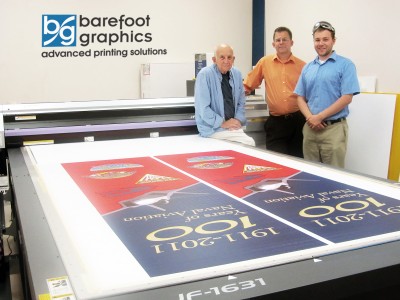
(178, 213)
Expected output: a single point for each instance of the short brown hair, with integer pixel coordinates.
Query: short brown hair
(282, 29)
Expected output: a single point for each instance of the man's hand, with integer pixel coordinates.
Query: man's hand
(231, 124)
(315, 122)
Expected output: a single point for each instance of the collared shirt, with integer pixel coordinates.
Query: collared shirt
(229, 106)
(322, 84)
(209, 101)
(280, 80)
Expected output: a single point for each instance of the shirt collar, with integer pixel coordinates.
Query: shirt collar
(216, 70)
(227, 74)
(333, 56)
(275, 57)
(219, 74)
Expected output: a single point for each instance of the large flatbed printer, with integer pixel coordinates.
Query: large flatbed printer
(336, 274)
(23, 124)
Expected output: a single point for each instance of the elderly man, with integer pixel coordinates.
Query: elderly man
(220, 99)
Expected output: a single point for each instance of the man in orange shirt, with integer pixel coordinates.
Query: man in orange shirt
(280, 73)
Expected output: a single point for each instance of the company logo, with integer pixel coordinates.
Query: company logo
(58, 30)
(75, 32)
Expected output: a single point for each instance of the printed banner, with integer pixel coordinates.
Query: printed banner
(334, 211)
(178, 213)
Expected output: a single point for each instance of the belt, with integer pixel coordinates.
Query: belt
(330, 122)
(287, 116)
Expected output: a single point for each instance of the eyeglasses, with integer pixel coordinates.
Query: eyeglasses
(324, 25)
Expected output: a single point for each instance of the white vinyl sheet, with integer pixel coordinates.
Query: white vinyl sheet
(97, 262)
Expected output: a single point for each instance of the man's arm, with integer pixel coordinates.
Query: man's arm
(203, 100)
(254, 78)
(317, 121)
(337, 106)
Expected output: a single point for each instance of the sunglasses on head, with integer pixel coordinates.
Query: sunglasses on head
(324, 25)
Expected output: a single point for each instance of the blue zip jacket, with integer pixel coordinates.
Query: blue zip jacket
(209, 102)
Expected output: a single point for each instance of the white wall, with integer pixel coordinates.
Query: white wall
(183, 27)
(367, 33)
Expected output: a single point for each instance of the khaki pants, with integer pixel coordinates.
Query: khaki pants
(235, 136)
(328, 145)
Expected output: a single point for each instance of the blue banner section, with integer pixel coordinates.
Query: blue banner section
(335, 211)
(199, 227)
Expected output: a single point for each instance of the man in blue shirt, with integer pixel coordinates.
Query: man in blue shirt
(220, 99)
(325, 89)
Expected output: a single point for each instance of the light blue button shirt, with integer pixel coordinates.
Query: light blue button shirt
(209, 101)
(322, 84)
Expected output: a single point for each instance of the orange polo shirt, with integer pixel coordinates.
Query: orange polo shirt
(280, 81)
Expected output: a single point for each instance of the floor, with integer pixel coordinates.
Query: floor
(10, 283)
